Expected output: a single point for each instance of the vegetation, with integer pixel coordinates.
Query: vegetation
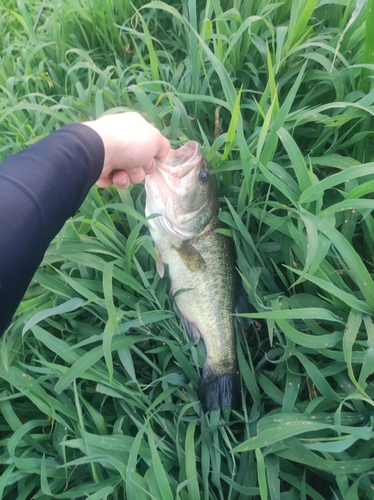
(98, 382)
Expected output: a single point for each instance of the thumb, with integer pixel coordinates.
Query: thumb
(163, 148)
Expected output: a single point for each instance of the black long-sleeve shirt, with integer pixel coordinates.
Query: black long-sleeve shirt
(40, 188)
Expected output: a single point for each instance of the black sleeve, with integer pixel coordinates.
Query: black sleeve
(40, 188)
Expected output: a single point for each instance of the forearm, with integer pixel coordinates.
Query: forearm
(40, 188)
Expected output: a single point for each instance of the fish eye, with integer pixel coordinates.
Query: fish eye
(203, 176)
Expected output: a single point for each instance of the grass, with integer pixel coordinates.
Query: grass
(98, 382)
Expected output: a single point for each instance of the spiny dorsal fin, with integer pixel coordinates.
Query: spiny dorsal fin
(244, 306)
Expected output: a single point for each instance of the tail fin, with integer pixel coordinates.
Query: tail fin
(219, 390)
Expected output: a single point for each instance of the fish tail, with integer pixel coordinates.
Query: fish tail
(219, 390)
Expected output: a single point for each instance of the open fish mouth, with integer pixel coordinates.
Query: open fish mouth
(181, 161)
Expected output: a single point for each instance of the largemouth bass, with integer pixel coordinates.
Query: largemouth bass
(201, 266)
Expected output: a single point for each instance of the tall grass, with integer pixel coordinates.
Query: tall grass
(98, 382)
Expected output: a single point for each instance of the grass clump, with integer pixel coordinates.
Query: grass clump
(98, 383)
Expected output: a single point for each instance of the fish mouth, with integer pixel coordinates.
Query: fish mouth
(181, 161)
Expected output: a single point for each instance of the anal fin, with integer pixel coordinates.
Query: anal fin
(191, 329)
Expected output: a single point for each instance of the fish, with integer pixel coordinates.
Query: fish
(185, 227)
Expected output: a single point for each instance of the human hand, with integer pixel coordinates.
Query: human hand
(131, 145)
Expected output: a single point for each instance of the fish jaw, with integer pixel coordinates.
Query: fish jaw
(174, 174)
(180, 203)
(179, 163)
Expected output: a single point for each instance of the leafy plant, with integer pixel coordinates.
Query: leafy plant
(98, 381)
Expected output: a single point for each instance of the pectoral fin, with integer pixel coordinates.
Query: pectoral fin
(191, 257)
(159, 264)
